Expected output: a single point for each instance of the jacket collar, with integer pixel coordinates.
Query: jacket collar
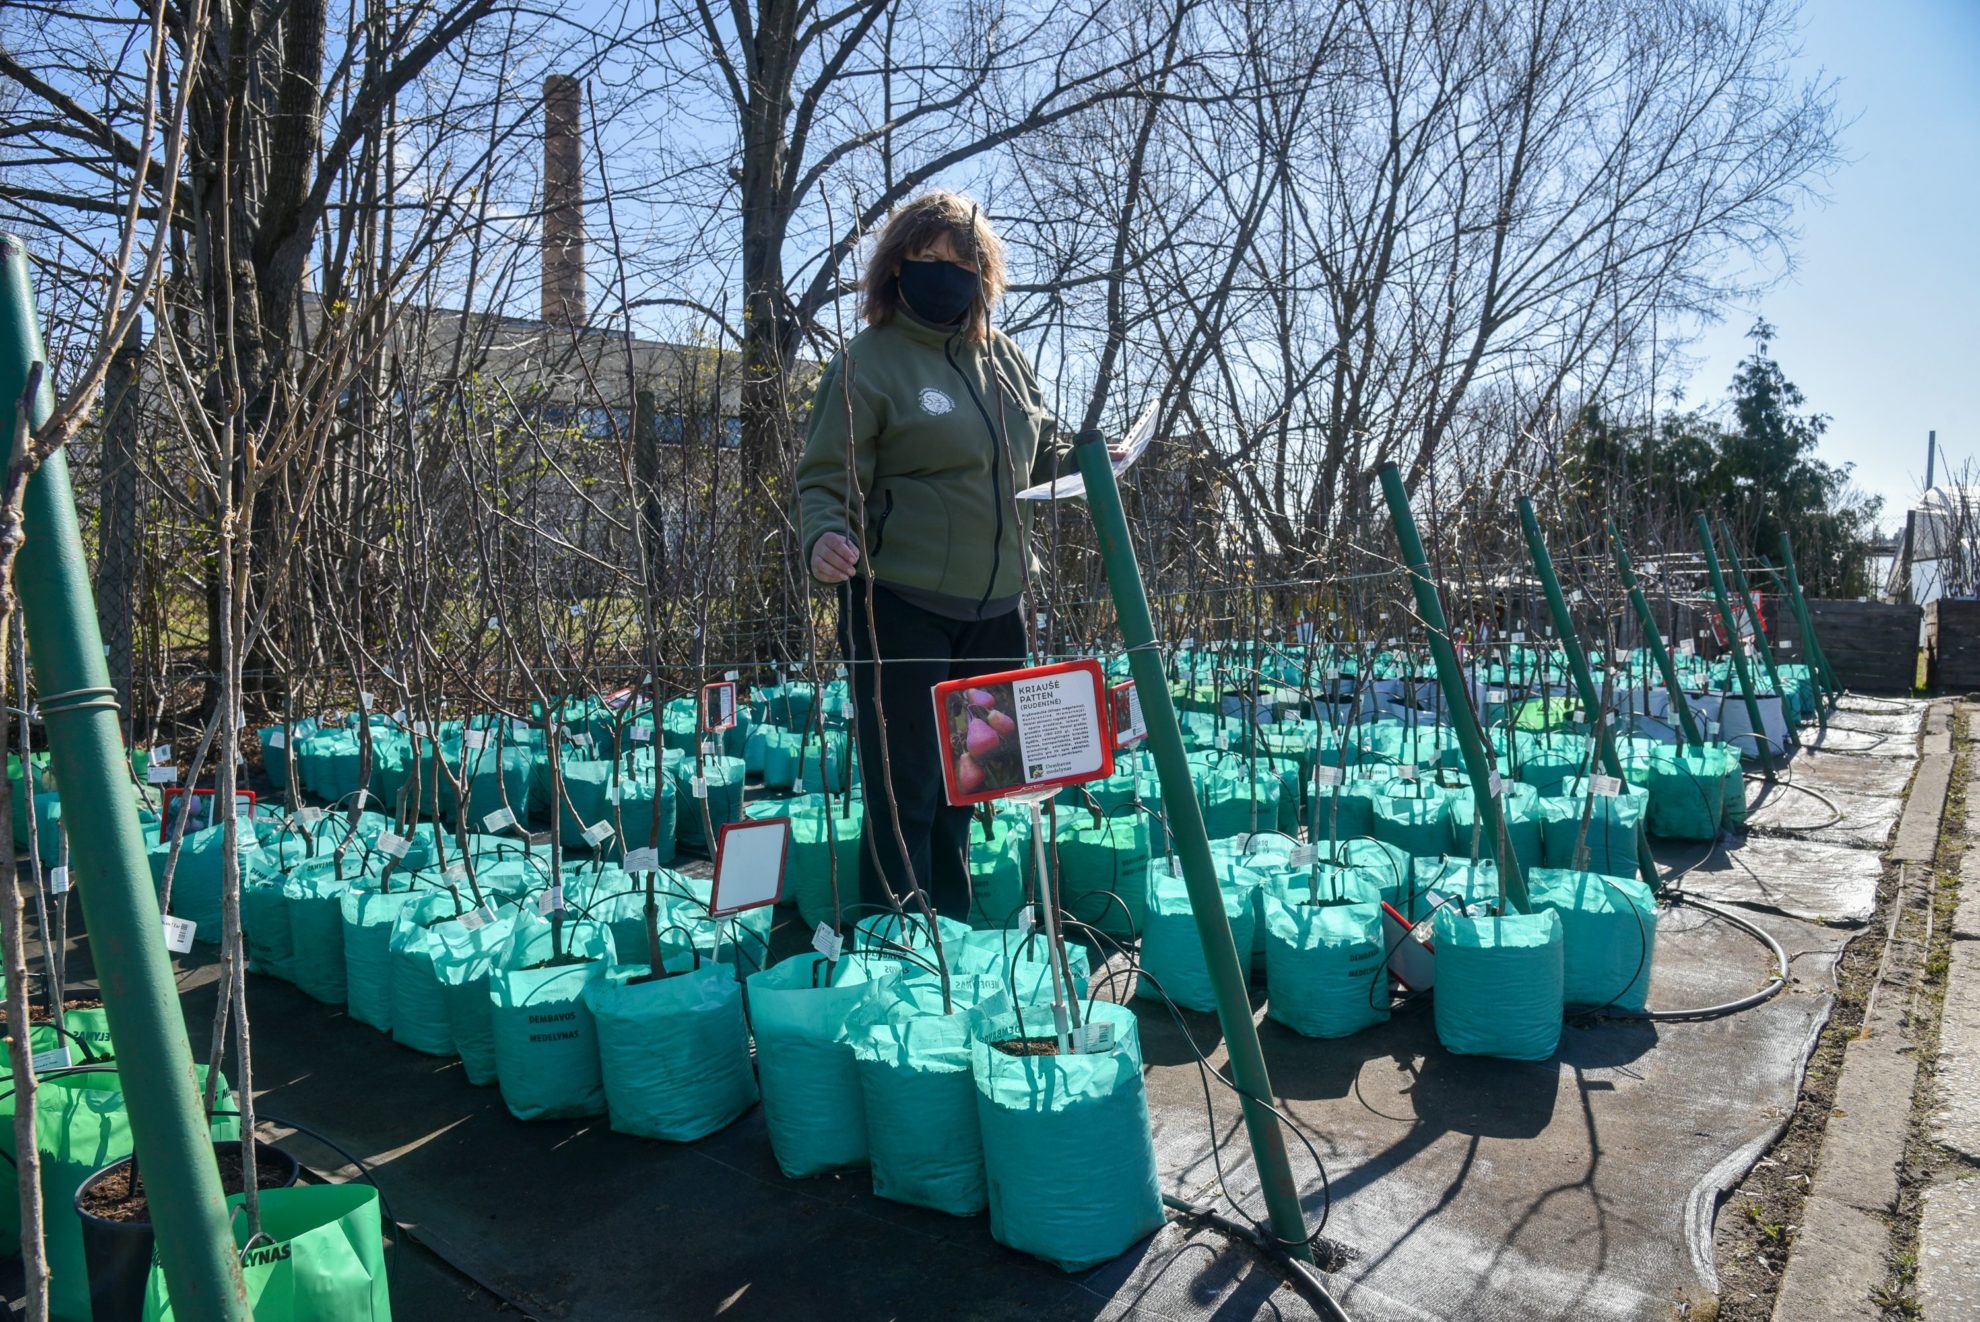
(921, 332)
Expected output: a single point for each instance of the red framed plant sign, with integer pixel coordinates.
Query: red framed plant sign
(1021, 731)
(750, 857)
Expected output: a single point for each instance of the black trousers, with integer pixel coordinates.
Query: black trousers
(917, 650)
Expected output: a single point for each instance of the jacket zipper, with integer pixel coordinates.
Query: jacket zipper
(880, 523)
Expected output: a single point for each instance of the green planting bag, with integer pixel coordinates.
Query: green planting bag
(1171, 949)
(920, 1100)
(892, 935)
(265, 925)
(419, 1000)
(369, 916)
(196, 881)
(1236, 803)
(1009, 956)
(1525, 814)
(466, 958)
(1608, 935)
(1546, 771)
(314, 897)
(1687, 793)
(1614, 822)
(1325, 964)
(723, 800)
(1499, 983)
(320, 1258)
(812, 1101)
(81, 1126)
(1068, 1157)
(675, 1053)
(999, 865)
(546, 1042)
(1103, 870)
(1347, 811)
(1416, 822)
(823, 837)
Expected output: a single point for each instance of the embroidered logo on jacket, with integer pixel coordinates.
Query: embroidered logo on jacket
(934, 401)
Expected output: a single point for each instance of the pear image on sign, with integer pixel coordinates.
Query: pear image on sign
(1005, 736)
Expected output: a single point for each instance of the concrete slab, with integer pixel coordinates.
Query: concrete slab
(1949, 1252)
(1917, 838)
(1955, 1124)
(1825, 883)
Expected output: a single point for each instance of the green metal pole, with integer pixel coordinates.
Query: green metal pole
(79, 708)
(1813, 660)
(1584, 683)
(1738, 651)
(1192, 843)
(1807, 618)
(1477, 758)
(1760, 633)
(1655, 640)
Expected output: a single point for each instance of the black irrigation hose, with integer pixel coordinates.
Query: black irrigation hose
(1305, 1279)
(1767, 993)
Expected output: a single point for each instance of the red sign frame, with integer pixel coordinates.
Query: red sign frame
(982, 764)
(722, 687)
(715, 909)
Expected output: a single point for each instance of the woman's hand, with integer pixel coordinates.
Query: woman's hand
(834, 558)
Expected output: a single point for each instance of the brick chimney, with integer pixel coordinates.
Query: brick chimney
(563, 201)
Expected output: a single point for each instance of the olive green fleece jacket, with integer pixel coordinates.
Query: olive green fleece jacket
(941, 433)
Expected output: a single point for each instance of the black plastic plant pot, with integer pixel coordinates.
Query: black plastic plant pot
(118, 1252)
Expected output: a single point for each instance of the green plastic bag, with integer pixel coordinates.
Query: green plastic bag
(314, 897)
(812, 1101)
(1416, 821)
(369, 916)
(1499, 983)
(920, 1101)
(419, 1000)
(675, 1053)
(723, 800)
(546, 1042)
(1608, 935)
(1325, 964)
(1068, 1155)
(1687, 793)
(1171, 950)
(320, 1258)
(469, 948)
(1104, 870)
(999, 865)
(1614, 823)
(265, 925)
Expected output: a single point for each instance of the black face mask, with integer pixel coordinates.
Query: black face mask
(938, 292)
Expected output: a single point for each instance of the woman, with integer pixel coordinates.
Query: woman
(922, 432)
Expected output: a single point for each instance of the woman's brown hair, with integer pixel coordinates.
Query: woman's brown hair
(916, 226)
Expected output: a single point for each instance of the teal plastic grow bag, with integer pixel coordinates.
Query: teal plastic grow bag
(1172, 950)
(1499, 983)
(921, 1123)
(812, 1100)
(1325, 964)
(1067, 1151)
(546, 1043)
(675, 1052)
(1608, 935)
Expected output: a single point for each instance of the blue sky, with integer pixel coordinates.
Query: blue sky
(1879, 322)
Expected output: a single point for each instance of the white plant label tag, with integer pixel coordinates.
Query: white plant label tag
(1407, 771)
(309, 816)
(55, 1058)
(162, 775)
(1175, 866)
(730, 676)
(642, 734)
(365, 700)
(1787, 645)
(699, 787)
(1326, 775)
(179, 935)
(1519, 635)
(58, 881)
(275, 739)
(598, 832)
(1331, 673)
(615, 792)
(1497, 697)
(710, 748)
(1302, 856)
(582, 739)
(550, 901)
(393, 846)
(457, 872)
(798, 786)
(473, 920)
(1240, 841)
(642, 860)
(474, 740)
(1607, 787)
(494, 621)
(1579, 716)
(160, 753)
(828, 943)
(1095, 1038)
(1495, 784)
(499, 820)
(1223, 742)
(1026, 920)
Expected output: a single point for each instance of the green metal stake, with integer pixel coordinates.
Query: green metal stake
(1807, 619)
(1759, 632)
(1477, 760)
(79, 708)
(1655, 639)
(1192, 845)
(1738, 651)
(1815, 681)
(1543, 565)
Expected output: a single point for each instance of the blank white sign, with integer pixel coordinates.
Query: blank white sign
(749, 864)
